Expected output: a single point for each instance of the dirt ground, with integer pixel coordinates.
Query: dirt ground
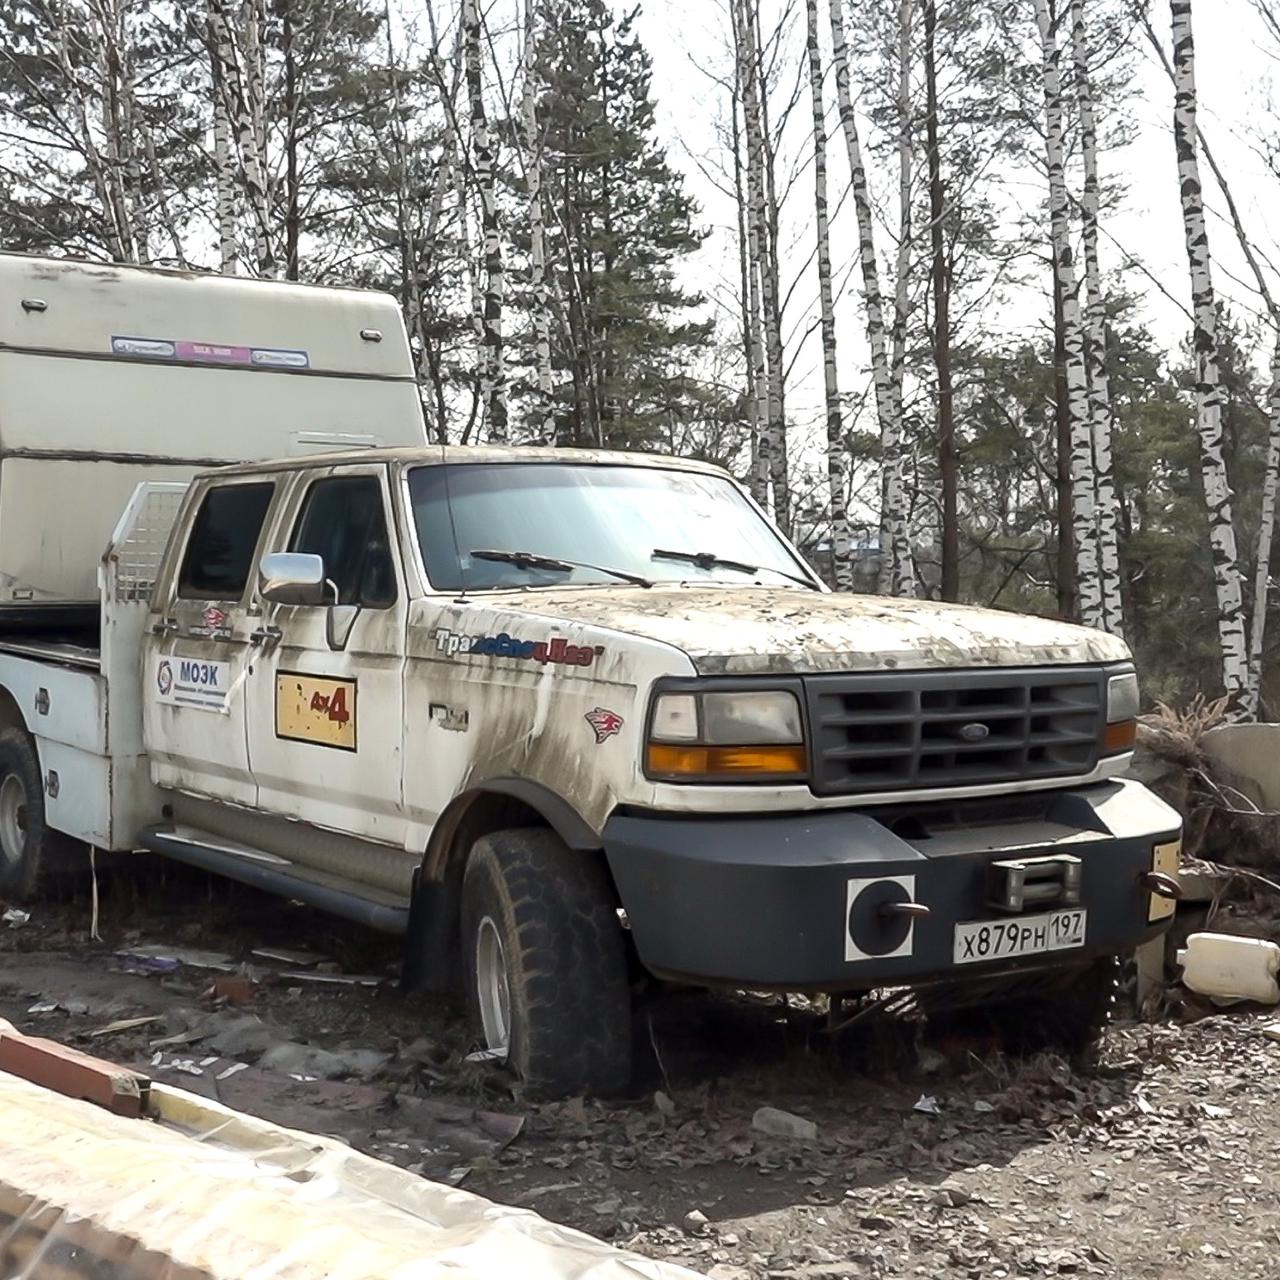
(929, 1159)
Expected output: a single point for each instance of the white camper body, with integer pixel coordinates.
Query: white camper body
(117, 384)
(111, 376)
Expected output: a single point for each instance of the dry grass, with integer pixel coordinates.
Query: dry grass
(1176, 732)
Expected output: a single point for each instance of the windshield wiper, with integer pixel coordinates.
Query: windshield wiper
(709, 560)
(532, 560)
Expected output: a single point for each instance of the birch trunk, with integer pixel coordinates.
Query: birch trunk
(902, 578)
(544, 408)
(837, 470)
(1083, 504)
(773, 441)
(493, 382)
(1100, 415)
(1217, 491)
(233, 77)
(757, 479)
(892, 519)
(758, 373)
(224, 172)
(1266, 536)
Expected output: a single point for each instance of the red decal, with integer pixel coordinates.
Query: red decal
(605, 723)
(333, 705)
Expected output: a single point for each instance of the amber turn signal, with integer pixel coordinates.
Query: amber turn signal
(668, 760)
(1120, 737)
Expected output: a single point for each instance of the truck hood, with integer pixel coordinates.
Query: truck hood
(751, 630)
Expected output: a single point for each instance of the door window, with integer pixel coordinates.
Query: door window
(344, 522)
(219, 553)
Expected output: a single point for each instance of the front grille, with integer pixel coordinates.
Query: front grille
(891, 731)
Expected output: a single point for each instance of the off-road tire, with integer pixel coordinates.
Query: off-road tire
(1067, 1011)
(566, 961)
(26, 870)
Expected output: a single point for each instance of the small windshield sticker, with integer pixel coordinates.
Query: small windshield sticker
(606, 723)
(557, 651)
(210, 353)
(193, 683)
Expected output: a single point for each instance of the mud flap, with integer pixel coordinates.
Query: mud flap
(429, 963)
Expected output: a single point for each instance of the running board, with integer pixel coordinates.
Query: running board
(273, 874)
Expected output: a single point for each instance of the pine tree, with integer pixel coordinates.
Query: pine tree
(618, 222)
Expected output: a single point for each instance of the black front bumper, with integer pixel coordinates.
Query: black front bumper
(790, 901)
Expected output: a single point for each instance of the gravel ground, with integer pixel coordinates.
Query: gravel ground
(1162, 1160)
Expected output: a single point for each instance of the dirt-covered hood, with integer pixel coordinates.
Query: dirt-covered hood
(750, 630)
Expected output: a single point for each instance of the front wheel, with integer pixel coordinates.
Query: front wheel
(545, 964)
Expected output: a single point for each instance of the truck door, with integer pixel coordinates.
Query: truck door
(200, 645)
(326, 698)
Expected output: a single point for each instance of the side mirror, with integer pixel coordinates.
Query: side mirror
(289, 577)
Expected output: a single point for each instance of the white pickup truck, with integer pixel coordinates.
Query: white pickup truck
(569, 720)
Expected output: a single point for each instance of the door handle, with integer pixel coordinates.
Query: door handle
(266, 636)
(165, 628)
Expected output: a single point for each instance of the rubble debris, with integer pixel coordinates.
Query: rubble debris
(71, 1072)
(335, 979)
(298, 958)
(696, 1221)
(486, 1055)
(1226, 967)
(15, 918)
(783, 1124)
(927, 1104)
(123, 1024)
(192, 957)
(234, 988)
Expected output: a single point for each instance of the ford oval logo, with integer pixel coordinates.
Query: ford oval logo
(974, 732)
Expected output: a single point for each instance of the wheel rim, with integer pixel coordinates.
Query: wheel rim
(13, 819)
(492, 986)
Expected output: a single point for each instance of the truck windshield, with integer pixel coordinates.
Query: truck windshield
(595, 514)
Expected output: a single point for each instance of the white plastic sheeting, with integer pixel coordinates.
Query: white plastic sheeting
(203, 1191)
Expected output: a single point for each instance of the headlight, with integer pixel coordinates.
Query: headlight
(726, 736)
(1122, 713)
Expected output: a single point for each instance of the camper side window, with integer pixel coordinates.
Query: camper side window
(224, 534)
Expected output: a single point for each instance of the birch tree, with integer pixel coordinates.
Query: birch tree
(493, 373)
(745, 179)
(1083, 506)
(837, 456)
(1217, 491)
(1100, 416)
(543, 414)
(224, 179)
(232, 80)
(773, 443)
(897, 574)
(1271, 467)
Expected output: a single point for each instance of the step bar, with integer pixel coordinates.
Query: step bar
(273, 874)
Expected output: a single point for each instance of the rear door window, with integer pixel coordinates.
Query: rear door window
(224, 535)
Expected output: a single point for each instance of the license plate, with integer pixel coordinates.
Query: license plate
(979, 940)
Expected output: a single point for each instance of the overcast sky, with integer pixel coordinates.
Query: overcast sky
(1234, 72)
